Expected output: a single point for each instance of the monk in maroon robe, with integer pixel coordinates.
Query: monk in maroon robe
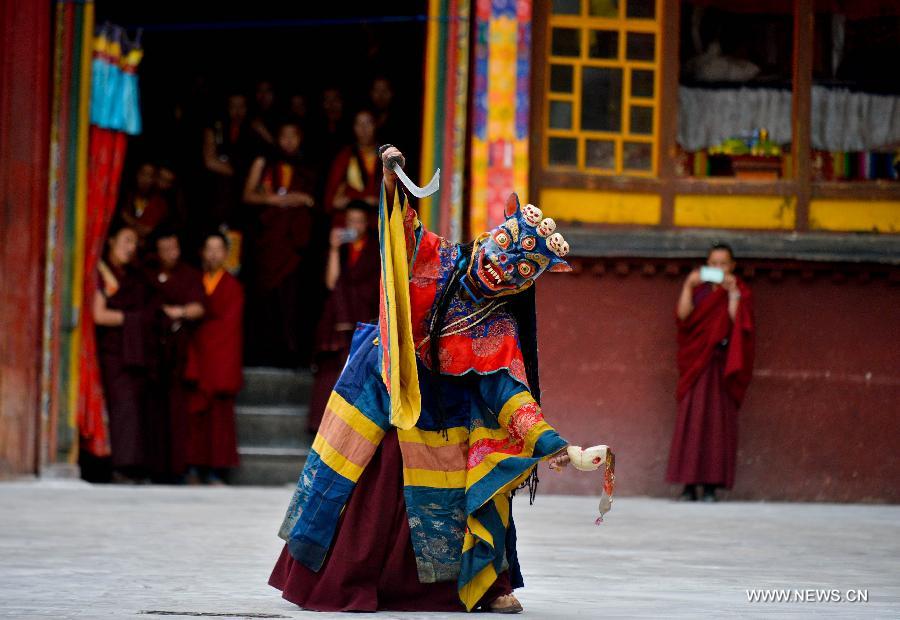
(214, 369)
(356, 171)
(715, 364)
(144, 207)
(330, 130)
(179, 288)
(285, 299)
(227, 153)
(352, 275)
(123, 309)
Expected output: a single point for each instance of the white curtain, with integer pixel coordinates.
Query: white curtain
(841, 120)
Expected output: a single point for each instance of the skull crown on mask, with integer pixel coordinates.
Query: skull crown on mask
(508, 258)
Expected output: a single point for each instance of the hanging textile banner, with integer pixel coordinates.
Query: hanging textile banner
(500, 108)
(114, 114)
(50, 380)
(67, 173)
(114, 87)
(446, 114)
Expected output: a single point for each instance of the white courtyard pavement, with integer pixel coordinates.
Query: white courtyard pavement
(72, 550)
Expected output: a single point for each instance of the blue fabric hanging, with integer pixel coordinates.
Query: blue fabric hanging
(115, 96)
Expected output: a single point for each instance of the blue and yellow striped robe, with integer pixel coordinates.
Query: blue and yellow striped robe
(456, 486)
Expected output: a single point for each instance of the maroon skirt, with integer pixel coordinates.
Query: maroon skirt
(704, 445)
(371, 565)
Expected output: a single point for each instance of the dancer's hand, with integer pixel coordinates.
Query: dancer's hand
(390, 177)
(559, 460)
(386, 156)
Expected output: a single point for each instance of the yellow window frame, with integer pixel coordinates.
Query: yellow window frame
(585, 23)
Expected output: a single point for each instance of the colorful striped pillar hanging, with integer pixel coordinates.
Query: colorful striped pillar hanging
(500, 108)
(80, 204)
(49, 403)
(446, 114)
(73, 34)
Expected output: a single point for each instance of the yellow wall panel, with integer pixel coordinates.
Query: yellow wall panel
(760, 212)
(569, 205)
(855, 215)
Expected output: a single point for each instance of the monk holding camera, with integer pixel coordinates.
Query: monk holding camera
(715, 364)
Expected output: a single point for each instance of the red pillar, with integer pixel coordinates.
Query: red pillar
(25, 52)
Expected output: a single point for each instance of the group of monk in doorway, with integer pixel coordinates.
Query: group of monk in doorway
(257, 250)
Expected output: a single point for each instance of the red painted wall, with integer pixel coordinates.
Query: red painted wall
(822, 415)
(24, 116)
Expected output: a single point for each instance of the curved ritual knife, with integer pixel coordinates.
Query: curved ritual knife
(419, 192)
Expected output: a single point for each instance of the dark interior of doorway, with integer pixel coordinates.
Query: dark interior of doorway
(198, 52)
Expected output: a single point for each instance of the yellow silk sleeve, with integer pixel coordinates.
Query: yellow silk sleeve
(398, 350)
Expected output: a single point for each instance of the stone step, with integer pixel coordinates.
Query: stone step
(272, 411)
(272, 426)
(275, 386)
(266, 466)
